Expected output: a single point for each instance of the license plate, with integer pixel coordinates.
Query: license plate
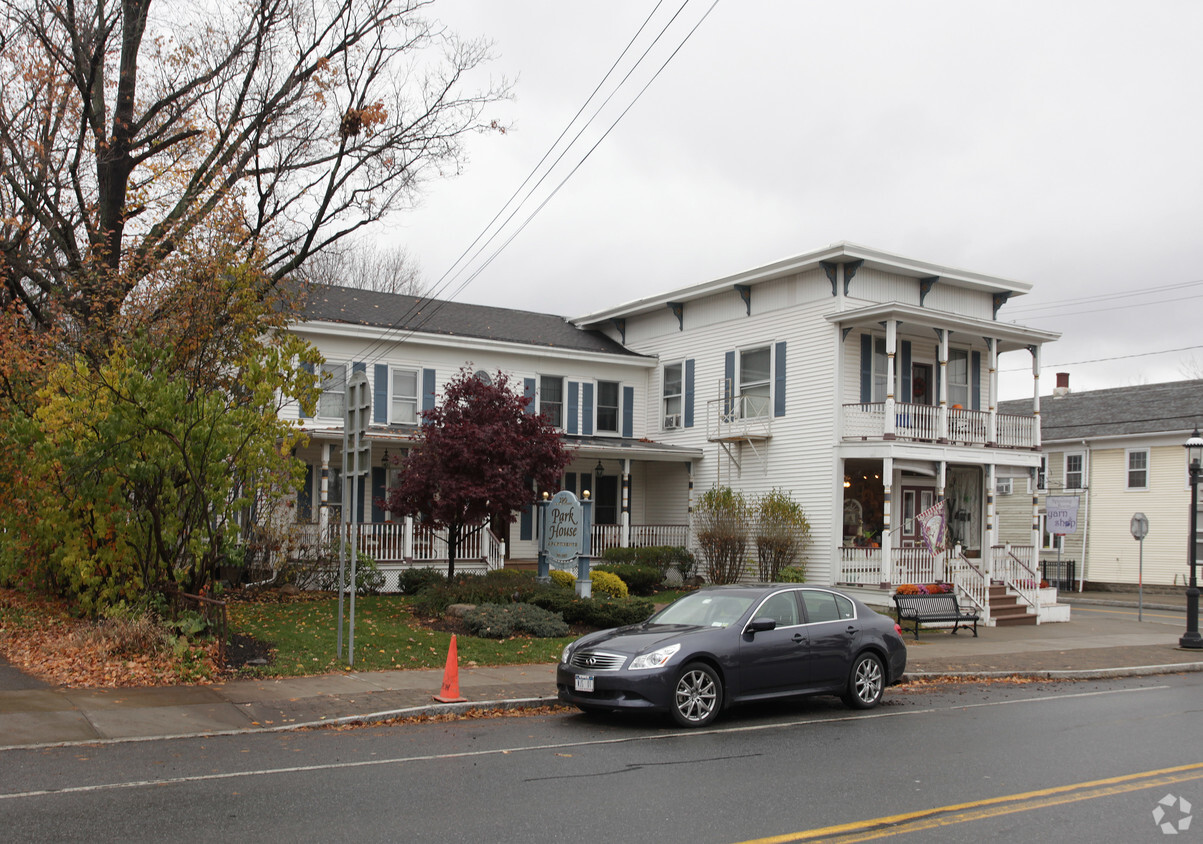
(584, 682)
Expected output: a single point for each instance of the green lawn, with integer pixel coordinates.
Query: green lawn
(386, 637)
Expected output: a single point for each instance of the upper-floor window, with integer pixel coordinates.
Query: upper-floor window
(958, 378)
(405, 397)
(1138, 468)
(671, 392)
(755, 381)
(331, 403)
(551, 399)
(1075, 471)
(879, 369)
(1042, 474)
(608, 393)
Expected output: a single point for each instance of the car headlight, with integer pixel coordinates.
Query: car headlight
(655, 659)
(566, 653)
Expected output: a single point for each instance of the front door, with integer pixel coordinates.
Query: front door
(915, 500)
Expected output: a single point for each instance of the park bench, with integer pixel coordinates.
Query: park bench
(932, 608)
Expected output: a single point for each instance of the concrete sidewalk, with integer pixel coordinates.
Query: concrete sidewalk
(33, 714)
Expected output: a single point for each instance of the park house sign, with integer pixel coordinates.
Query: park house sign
(564, 526)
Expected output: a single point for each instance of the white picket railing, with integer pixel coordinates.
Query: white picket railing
(921, 423)
(860, 566)
(1014, 565)
(970, 580)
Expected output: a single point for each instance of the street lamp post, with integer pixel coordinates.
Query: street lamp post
(1192, 639)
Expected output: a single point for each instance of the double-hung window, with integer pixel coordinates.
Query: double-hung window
(879, 369)
(755, 381)
(1138, 468)
(404, 409)
(958, 378)
(671, 393)
(1075, 471)
(608, 393)
(1048, 541)
(551, 399)
(331, 403)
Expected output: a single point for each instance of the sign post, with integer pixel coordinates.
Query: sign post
(1140, 529)
(357, 464)
(1061, 519)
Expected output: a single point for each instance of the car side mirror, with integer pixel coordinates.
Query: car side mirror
(758, 624)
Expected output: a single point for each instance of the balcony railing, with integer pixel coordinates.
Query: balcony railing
(921, 423)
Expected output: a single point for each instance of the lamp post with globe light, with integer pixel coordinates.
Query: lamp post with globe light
(1192, 639)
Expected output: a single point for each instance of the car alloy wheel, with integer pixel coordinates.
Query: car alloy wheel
(865, 683)
(698, 696)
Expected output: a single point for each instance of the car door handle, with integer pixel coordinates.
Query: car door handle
(851, 630)
(799, 638)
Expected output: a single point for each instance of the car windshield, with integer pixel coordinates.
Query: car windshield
(704, 609)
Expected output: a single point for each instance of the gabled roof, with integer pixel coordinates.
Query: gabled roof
(404, 314)
(1172, 407)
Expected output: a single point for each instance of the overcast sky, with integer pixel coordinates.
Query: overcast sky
(1057, 143)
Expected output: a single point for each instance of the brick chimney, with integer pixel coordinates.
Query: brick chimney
(1062, 388)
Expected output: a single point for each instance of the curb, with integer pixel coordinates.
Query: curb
(1066, 674)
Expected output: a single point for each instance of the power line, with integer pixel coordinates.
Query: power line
(1104, 360)
(1105, 297)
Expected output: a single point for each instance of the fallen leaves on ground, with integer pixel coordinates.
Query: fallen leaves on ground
(39, 636)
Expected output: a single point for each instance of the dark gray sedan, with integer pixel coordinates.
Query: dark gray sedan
(724, 645)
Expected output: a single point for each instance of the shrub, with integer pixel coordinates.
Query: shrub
(413, 581)
(782, 533)
(497, 621)
(563, 578)
(601, 611)
(606, 583)
(369, 580)
(662, 557)
(722, 518)
(502, 586)
(792, 574)
(640, 579)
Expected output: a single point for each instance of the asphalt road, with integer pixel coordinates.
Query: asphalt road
(1173, 618)
(1070, 761)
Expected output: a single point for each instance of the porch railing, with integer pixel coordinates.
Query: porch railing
(916, 565)
(921, 423)
(605, 537)
(1015, 566)
(385, 542)
(860, 566)
(970, 580)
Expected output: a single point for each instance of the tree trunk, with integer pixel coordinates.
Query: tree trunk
(453, 533)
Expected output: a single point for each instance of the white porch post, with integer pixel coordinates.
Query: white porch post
(941, 481)
(1035, 474)
(891, 345)
(887, 536)
(943, 363)
(689, 506)
(991, 526)
(992, 434)
(407, 538)
(323, 519)
(625, 519)
(1036, 389)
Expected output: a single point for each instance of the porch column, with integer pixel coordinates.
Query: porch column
(887, 535)
(1035, 475)
(992, 432)
(624, 529)
(891, 347)
(1035, 350)
(942, 414)
(323, 518)
(991, 527)
(407, 538)
(941, 482)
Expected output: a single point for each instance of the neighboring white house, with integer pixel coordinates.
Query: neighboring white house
(862, 383)
(1119, 452)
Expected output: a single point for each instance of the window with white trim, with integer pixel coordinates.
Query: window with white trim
(1042, 474)
(608, 393)
(404, 408)
(958, 378)
(551, 399)
(755, 381)
(1075, 471)
(332, 402)
(671, 393)
(1048, 541)
(1138, 468)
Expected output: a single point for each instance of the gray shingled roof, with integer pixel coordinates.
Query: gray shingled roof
(1175, 406)
(350, 305)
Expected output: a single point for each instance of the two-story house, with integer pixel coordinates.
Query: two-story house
(1115, 453)
(863, 383)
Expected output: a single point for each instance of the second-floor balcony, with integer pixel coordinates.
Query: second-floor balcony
(929, 423)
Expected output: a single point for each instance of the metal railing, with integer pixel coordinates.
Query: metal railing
(738, 417)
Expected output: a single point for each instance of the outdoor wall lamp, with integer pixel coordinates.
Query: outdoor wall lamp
(1192, 639)
(599, 469)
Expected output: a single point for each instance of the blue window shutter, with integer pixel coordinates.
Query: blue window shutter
(362, 481)
(975, 378)
(305, 367)
(574, 406)
(525, 526)
(689, 393)
(587, 410)
(906, 372)
(628, 411)
(729, 384)
(528, 390)
(779, 379)
(380, 395)
(427, 389)
(570, 482)
(378, 492)
(866, 368)
(305, 497)
(939, 375)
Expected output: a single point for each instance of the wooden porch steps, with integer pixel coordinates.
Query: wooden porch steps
(1005, 609)
(522, 565)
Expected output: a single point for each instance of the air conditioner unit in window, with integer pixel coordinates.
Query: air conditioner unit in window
(1003, 486)
(673, 420)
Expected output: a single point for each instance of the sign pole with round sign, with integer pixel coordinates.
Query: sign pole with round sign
(1140, 529)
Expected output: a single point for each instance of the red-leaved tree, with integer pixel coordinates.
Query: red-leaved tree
(480, 454)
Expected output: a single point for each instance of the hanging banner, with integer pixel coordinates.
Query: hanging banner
(1061, 514)
(932, 523)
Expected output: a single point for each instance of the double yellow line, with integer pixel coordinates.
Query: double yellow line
(989, 808)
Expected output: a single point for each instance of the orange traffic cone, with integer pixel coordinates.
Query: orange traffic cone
(450, 691)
